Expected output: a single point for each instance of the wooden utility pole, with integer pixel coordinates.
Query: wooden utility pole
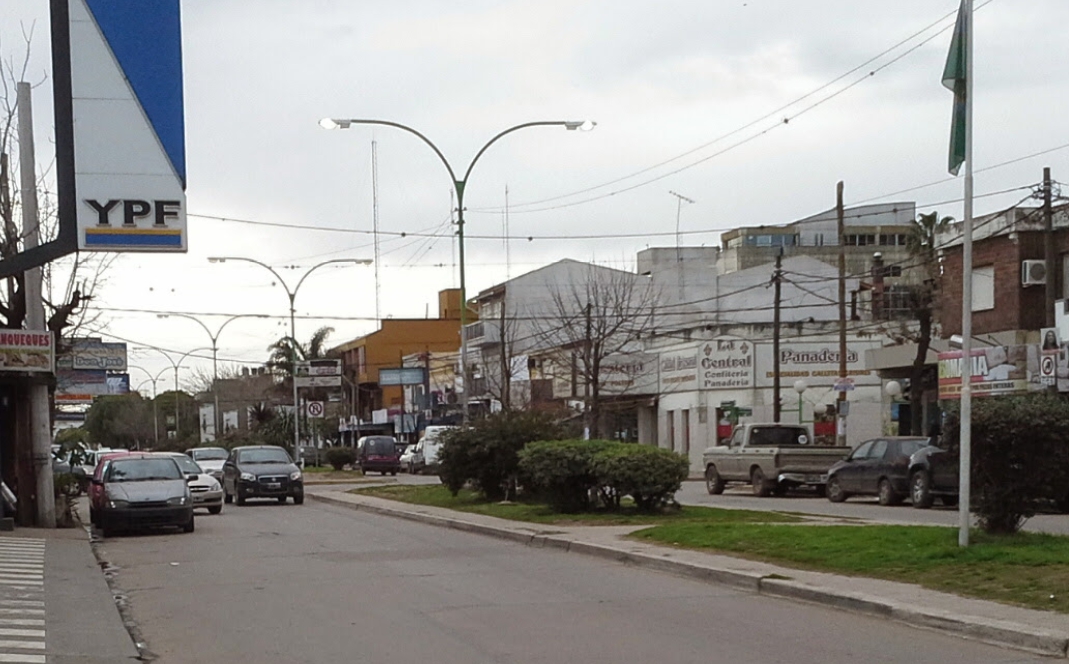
(1048, 246)
(586, 378)
(840, 430)
(777, 280)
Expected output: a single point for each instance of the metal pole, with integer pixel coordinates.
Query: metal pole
(777, 279)
(840, 429)
(459, 185)
(215, 383)
(155, 416)
(293, 376)
(176, 437)
(40, 416)
(965, 457)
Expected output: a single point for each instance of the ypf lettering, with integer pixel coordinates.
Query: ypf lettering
(133, 209)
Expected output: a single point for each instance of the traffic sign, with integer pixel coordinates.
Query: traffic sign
(1047, 368)
(314, 408)
(845, 384)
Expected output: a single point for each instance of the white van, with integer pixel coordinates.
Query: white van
(428, 446)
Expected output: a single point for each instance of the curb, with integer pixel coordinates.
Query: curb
(1001, 633)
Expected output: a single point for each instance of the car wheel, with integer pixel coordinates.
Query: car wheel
(298, 499)
(834, 490)
(215, 509)
(714, 484)
(920, 489)
(886, 493)
(189, 527)
(281, 500)
(393, 473)
(761, 486)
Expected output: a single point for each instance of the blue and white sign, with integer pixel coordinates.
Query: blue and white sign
(129, 129)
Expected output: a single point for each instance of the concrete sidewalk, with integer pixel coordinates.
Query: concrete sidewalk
(1025, 629)
(80, 614)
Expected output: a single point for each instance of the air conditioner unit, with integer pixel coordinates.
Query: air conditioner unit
(1033, 273)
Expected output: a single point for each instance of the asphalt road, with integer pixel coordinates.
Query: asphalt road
(324, 584)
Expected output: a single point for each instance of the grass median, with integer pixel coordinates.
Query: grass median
(471, 502)
(1026, 569)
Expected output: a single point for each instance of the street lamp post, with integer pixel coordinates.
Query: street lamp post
(459, 185)
(177, 365)
(215, 354)
(292, 295)
(800, 387)
(155, 411)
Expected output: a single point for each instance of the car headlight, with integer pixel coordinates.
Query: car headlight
(248, 477)
(295, 475)
(178, 500)
(118, 504)
(214, 485)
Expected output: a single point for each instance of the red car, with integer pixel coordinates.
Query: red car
(96, 485)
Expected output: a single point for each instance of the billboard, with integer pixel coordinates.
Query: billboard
(994, 371)
(92, 354)
(401, 376)
(318, 368)
(126, 110)
(26, 350)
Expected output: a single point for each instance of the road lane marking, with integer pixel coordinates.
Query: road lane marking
(22, 622)
(23, 645)
(22, 659)
(26, 633)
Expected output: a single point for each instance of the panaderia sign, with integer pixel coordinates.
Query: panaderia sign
(815, 362)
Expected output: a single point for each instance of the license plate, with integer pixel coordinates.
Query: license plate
(274, 485)
(816, 479)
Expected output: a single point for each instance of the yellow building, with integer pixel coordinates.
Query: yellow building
(362, 358)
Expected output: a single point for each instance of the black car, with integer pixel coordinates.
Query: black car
(878, 467)
(261, 471)
(144, 491)
(933, 472)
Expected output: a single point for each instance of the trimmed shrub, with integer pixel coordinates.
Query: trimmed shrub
(650, 475)
(339, 457)
(562, 472)
(1020, 457)
(486, 454)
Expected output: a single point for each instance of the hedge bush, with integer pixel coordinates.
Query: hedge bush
(486, 454)
(650, 475)
(339, 457)
(1020, 457)
(562, 472)
(566, 473)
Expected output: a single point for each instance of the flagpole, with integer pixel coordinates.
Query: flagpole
(965, 461)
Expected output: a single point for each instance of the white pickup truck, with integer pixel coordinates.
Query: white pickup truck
(771, 457)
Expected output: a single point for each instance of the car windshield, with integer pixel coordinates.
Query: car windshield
(264, 455)
(379, 445)
(775, 436)
(188, 466)
(142, 470)
(210, 454)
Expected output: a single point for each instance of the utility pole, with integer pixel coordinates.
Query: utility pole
(777, 281)
(375, 220)
(40, 412)
(840, 406)
(1048, 245)
(586, 376)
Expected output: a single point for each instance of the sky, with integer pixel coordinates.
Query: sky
(753, 110)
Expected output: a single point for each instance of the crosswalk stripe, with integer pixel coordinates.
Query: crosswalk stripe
(23, 645)
(21, 575)
(23, 602)
(22, 612)
(22, 581)
(22, 659)
(22, 622)
(27, 633)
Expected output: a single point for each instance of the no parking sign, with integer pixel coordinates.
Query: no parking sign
(314, 408)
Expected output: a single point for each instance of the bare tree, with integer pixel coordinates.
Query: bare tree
(510, 364)
(593, 326)
(67, 283)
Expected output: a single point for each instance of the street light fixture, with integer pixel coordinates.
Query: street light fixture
(459, 185)
(177, 365)
(800, 386)
(292, 295)
(155, 412)
(215, 353)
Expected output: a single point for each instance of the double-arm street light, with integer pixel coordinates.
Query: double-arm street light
(177, 365)
(155, 413)
(459, 185)
(215, 354)
(292, 295)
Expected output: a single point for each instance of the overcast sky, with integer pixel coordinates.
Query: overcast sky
(662, 79)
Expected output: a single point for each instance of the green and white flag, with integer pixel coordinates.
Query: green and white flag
(954, 75)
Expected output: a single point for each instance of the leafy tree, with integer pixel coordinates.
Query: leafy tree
(283, 351)
(123, 421)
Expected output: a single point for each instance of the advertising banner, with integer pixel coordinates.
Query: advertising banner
(93, 354)
(995, 370)
(80, 387)
(817, 363)
(319, 368)
(26, 350)
(726, 364)
(401, 376)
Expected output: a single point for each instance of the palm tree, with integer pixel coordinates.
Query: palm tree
(286, 349)
(921, 243)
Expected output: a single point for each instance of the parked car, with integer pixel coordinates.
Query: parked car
(770, 457)
(210, 459)
(378, 454)
(426, 459)
(207, 492)
(261, 471)
(407, 458)
(933, 473)
(97, 496)
(878, 467)
(144, 490)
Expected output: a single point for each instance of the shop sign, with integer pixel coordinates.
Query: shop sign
(993, 371)
(26, 350)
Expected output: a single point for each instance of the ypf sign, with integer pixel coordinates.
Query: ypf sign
(128, 122)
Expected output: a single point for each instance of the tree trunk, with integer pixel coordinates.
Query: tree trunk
(916, 375)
